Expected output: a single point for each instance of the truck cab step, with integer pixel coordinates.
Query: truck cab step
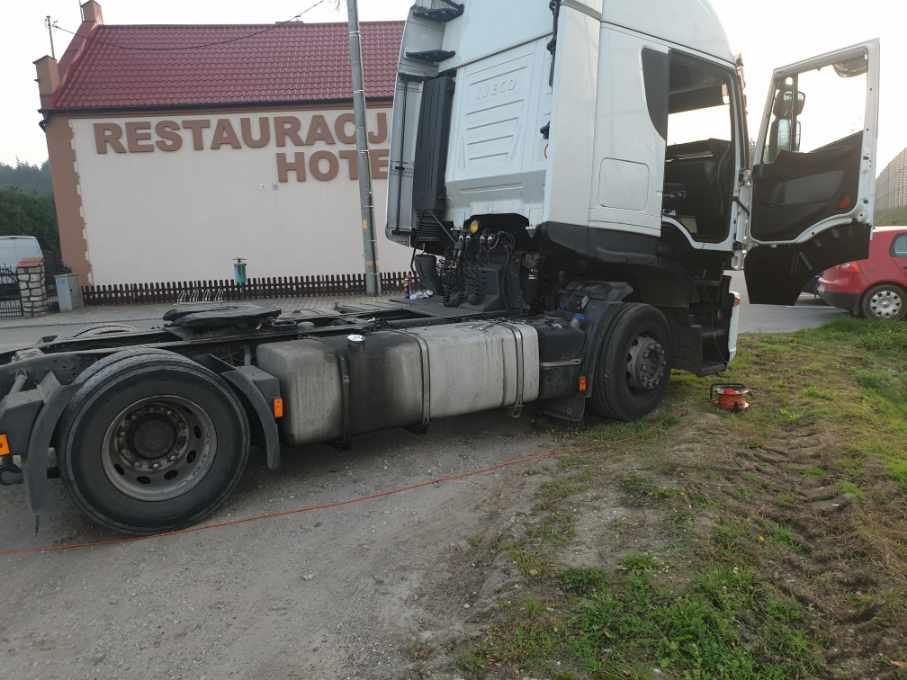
(442, 15)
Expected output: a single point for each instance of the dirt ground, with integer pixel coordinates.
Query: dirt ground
(332, 594)
(490, 576)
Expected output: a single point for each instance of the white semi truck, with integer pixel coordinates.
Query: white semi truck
(574, 178)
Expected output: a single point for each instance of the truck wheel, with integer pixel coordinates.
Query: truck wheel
(887, 303)
(635, 365)
(152, 443)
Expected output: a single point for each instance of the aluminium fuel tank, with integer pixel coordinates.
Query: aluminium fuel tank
(337, 387)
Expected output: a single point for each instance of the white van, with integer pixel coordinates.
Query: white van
(14, 249)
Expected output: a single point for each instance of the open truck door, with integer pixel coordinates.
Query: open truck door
(813, 193)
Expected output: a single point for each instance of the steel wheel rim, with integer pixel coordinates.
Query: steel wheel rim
(886, 304)
(159, 448)
(646, 361)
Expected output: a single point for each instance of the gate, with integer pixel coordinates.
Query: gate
(10, 301)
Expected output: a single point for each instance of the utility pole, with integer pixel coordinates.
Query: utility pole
(366, 197)
(50, 32)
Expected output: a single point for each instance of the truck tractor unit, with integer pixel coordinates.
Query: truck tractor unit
(574, 179)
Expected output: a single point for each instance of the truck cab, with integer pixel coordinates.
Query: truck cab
(610, 139)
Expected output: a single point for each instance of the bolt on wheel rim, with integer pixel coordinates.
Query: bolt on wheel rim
(886, 304)
(159, 448)
(646, 361)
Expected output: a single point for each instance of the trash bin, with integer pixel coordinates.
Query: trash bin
(69, 292)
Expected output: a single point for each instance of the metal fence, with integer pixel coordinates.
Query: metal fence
(10, 300)
(172, 292)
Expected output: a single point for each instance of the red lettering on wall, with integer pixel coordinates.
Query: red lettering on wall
(345, 128)
(352, 163)
(169, 138)
(379, 136)
(197, 127)
(108, 134)
(318, 172)
(287, 127)
(138, 137)
(319, 131)
(284, 168)
(379, 159)
(224, 135)
(264, 133)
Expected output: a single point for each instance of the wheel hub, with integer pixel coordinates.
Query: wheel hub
(646, 361)
(157, 449)
(886, 304)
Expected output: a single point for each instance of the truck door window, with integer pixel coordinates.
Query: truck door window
(829, 109)
(810, 162)
(700, 160)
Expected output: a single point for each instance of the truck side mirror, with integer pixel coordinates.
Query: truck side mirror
(783, 106)
(781, 134)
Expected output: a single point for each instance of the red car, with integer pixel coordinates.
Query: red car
(876, 287)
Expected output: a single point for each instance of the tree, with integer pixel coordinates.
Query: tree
(29, 214)
(26, 177)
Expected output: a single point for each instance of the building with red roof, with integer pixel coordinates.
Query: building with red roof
(175, 149)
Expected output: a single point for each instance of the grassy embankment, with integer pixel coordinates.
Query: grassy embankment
(767, 545)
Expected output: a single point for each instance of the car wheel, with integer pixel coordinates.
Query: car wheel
(635, 365)
(152, 443)
(886, 303)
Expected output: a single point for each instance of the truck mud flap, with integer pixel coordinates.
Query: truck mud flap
(57, 398)
(249, 381)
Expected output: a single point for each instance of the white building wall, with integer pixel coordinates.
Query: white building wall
(155, 212)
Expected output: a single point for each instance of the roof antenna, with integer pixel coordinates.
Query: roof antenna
(50, 34)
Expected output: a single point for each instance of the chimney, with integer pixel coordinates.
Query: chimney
(48, 79)
(91, 13)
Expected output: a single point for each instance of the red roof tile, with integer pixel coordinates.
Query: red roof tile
(294, 63)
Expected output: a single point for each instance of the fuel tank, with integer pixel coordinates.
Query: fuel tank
(342, 386)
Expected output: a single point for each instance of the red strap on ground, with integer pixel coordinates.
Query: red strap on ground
(66, 547)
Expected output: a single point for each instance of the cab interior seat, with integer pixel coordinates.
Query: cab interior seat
(699, 180)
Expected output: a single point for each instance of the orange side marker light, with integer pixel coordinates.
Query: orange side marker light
(277, 407)
(4, 446)
(583, 384)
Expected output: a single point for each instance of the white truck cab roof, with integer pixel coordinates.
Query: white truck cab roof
(692, 23)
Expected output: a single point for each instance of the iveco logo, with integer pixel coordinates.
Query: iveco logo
(495, 88)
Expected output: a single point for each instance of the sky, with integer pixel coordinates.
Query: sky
(768, 33)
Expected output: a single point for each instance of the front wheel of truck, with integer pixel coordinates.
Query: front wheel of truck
(153, 443)
(634, 368)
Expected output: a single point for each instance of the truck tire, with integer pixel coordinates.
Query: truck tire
(152, 442)
(634, 368)
(886, 303)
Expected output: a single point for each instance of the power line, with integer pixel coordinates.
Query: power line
(201, 46)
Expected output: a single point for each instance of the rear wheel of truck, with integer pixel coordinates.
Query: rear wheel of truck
(152, 442)
(634, 368)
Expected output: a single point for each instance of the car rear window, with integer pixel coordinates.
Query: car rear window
(899, 247)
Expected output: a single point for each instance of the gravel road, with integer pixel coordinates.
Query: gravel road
(331, 594)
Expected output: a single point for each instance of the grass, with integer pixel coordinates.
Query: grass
(712, 596)
(723, 624)
(636, 626)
